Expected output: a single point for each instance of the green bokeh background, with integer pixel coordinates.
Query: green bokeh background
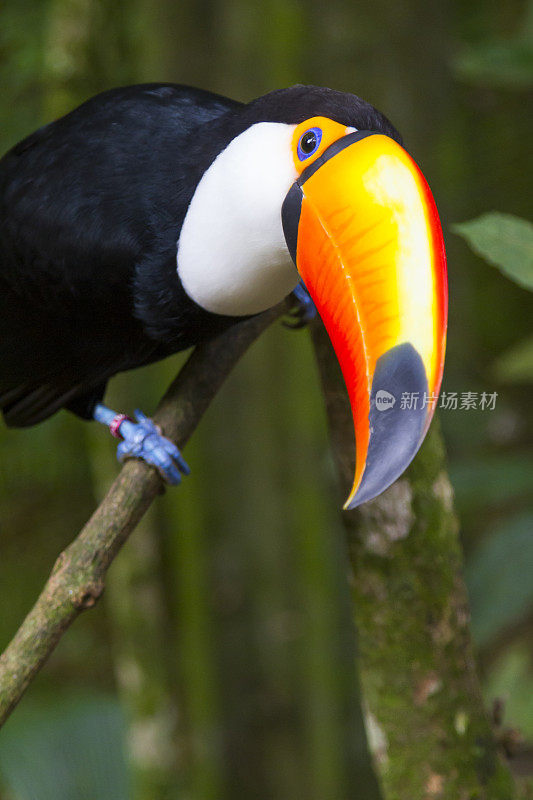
(225, 637)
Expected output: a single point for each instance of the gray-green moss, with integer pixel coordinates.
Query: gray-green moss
(416, 662)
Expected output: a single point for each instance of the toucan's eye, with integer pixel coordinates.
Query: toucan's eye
(309, 143)
(312, 137)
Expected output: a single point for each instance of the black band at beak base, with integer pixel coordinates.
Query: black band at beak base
(290, 218)
(292, 205)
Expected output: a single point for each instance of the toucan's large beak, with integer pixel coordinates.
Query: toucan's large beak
(363, 230)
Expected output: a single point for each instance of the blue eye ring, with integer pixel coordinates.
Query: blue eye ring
(309, 142)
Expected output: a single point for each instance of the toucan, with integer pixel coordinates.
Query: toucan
(152, 217)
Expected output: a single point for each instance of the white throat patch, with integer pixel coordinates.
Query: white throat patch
(232, 255)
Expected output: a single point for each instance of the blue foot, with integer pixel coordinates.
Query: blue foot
(143, 439)
(304, 309)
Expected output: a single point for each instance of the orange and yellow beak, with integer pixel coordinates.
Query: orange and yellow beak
(363, 230)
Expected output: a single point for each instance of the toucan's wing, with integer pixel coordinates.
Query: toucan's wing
(81, 201)
(81, 198)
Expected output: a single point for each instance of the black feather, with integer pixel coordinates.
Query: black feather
(82, 206)
(91, 208)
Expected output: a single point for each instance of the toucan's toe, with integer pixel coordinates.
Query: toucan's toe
(143, 439)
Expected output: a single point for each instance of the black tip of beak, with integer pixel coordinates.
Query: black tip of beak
(397, 419)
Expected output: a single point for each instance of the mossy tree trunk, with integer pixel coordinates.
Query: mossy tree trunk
(432, 738)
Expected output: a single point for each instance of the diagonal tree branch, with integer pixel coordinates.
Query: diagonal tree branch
(77, 579)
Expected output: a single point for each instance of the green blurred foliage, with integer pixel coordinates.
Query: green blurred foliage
(251, 577)
(499, 577)
(516, 364)
(503, 62)
(504, 241)
(500, 569)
